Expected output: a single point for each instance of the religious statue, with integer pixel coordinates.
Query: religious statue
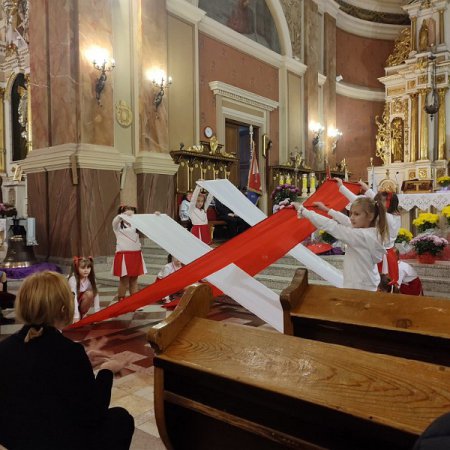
(213, 144)
(22, 111)
(423, 37)
(397, 139)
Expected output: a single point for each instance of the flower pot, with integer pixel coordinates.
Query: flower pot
(426, 258)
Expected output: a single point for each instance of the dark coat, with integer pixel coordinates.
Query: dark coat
(49, 396)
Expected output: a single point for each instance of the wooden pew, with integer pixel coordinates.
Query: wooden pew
(226, 386)
(395, 324)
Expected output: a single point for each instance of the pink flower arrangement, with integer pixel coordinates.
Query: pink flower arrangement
(428, 243)
(284, 195)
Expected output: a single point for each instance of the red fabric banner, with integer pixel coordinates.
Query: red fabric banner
(252, 251)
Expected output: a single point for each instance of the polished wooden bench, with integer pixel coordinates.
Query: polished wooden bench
(400, 325)
(220, 385)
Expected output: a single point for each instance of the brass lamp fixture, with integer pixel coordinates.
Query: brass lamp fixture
(317, 130)
(103, 65)
(162, 84)
(432, 107)
(334, 134)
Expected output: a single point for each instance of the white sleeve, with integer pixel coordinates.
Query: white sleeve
(73, 288)
(97, 303)
(184, 210)
(347, 193)
(346, 234)
(193, 202)
(370, 193)
(163, 272)
(340, 217)
(116, 223)
(208, 201)
(401, 273)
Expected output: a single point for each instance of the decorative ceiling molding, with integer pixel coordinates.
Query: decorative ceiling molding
(370, 15)
(242, 96)
(383, 6)
(360, 93)
(86, 156)
(185, 10)
(356, 26)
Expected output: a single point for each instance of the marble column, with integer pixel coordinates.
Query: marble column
(329, 87)
(414, 129)
(73, 172)
(154, 166)
(413, 34)
(2, 132)
(442, 124)
(423, 150)
(312, 57)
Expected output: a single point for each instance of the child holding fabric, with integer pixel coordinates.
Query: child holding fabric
(363, 232)
(197, 213)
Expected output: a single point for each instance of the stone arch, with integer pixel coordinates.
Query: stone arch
(282, 27)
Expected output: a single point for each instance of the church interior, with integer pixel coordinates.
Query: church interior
(132, 102)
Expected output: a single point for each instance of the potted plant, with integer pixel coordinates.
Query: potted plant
(427, 246)
(404, 236)
(446, 214)
(443, 182)
(426, 221)
(326, 237)
(283, 196)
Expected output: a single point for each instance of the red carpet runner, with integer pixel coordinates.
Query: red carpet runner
(252, 251)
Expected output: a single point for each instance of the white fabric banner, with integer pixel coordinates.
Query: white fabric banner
(230, 196)
(231, 280)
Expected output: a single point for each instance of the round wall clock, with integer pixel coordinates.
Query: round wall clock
(208, 131)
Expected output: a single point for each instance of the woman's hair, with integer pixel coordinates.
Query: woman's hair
(169, 258)
(45, 298)
(391, 200)
(378, 211)
(123, 208)
(81, 262)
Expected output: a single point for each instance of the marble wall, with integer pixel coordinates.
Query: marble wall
(74, 219)
(93, 29)
(356, 119)
(312, 60)
(219, 62)
(361, 60)
(40, 106)
(329, 88)
(153, 123)
(156, 192)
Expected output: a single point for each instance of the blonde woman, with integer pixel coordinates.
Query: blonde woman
(49, 396)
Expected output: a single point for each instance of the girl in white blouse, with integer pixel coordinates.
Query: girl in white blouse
(197, 213)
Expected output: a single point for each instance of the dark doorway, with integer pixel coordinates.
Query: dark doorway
(237, 141)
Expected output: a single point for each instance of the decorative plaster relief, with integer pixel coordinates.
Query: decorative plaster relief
(293, 13)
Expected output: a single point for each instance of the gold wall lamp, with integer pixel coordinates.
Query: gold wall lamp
(101, 62)
(162, 84)
(334, 134)
(317, 130)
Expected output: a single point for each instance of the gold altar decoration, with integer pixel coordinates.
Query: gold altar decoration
(402, 48)
(2, 131)
(383, 136)
(198, 162)
(423, 153)
(441, 124)
(397, 139)
(423, 36)
(414, 135)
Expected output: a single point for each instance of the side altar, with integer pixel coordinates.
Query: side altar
(412, 139)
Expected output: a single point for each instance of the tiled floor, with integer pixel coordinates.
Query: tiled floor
(125, 337)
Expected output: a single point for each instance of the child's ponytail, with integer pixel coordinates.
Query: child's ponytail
(380, 220)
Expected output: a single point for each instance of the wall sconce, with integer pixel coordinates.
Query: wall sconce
(161, 84)
(334, 134)
(103, 64)
(317, 129)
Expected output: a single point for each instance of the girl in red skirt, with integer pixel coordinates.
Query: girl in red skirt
(197, 214)
(128, 260)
